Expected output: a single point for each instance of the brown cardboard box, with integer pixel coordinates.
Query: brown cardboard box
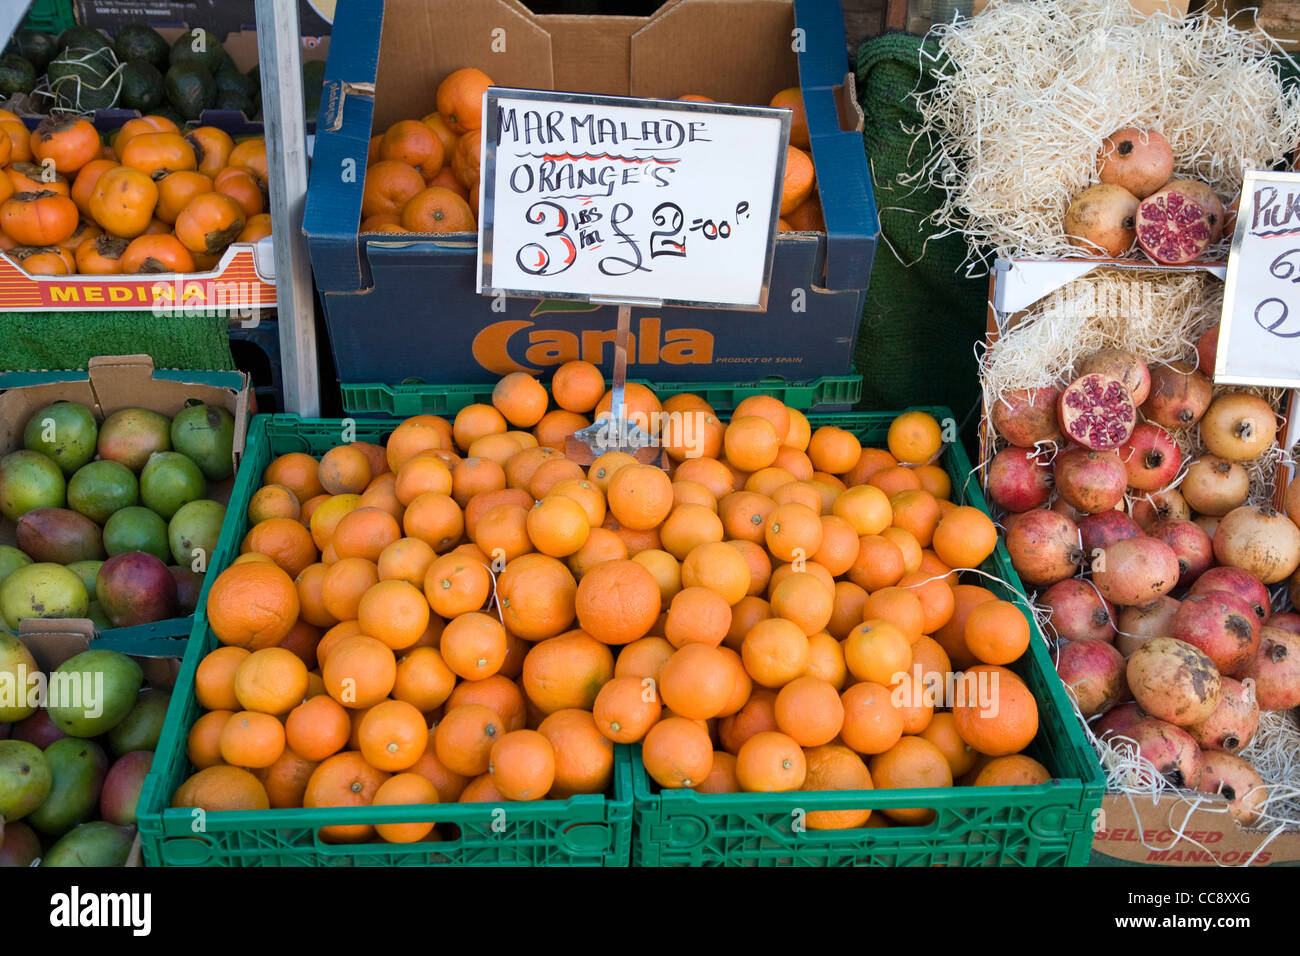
(1135, 830)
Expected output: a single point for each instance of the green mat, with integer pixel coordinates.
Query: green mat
(922, 316)
(32, 341)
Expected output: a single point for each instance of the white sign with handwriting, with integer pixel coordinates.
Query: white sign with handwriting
(617, 198)
(1259, 339)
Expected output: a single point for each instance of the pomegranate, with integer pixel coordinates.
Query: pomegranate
(1123, 365)
(1063, 507)
(1093, 673)
(1241, 583)
(1238, 426)
(1141, 622)
(1222, 625)
(1135, 571)
(1078, 612)
(1177, 223)
(1291, 499)
(1160, 506)
(1026, 416)
(1179, 396)
(1091, 481)
(1214, 486)
(1044, 547)
(1174, 681)
(1207, 523)
(1101, 219)
(1293, 588)
(1104, 529)
(1259, 540)
(1017, 480)
(1232, 725)
(1097, 412)
(1192, 546)
(1119, 722)
(1275, 669)
(1170, 749)
(1139, 160)
(1207, 347)
(1230, 219)
(1009, 519)
(1151, 457)
(1287, 620)
(1237, 782)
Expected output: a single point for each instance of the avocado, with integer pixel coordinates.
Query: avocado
(190, 89)
(168, 111)
(235, 83)
(199, 47)
(17, 75)
(234, 100)
(84, 37)
(85, 79)
(142, 86)
(36, 47)
(138, 41)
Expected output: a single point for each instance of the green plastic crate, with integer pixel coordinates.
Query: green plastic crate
(585, 830)
(50, 16)
(403, 401)
(1043, 825)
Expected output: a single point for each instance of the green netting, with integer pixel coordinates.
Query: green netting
(923, 315)
(32, 341)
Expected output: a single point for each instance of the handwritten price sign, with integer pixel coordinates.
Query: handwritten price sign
(1259, 339)
(614, 198)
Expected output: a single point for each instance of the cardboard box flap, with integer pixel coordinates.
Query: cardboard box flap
(590, 54)
(54, 641)
(20, 400)
(157, 648)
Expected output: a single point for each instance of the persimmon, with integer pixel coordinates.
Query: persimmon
(257, 227)
(70, 142)
(241, 185)
(154, 253)
(28, 178)
(38, 218)
(44, 260)
(209, 222)
(251, 153)
(157, 154)
(101, 255)
(142, 124)
(212, 147)
(84, 185)
(123, 201)
(175, 190)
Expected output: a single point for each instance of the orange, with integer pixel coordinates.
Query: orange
(406, 559)
(331, 637)
(396, 612)
(744, 515)
(744, 685)
(474, 645)
(834, 767)
(771, 762)
(270, 681)
(1014, 770)
(826, 660)
(422, 473)
(952, 635)
(934, 480)
(783, 571)
(709, 472)
(252, 605)
(643, 658)
(626, 708)
(344, 584)
(916, 512)
(665, 569)
(929, 655)
(942, 732)
(687, 526)
(893, 480)
(751, 442)
(809, 710)
(464, 737)
(697, 615)
(915, 438)
(497, 446)
(364, 533)
(584, 493)
(769, 407)
(775, 652)
(449, 785)
(911, 763)
(325, 517)
(964, 537)
(907, 545)
(481, 790)
(566, 671)
(722, 776)
(697, 682)
(677, 753)
(601, 545)
(456, 585)
(872, 722)
(344, 780)
(556, 426)
(558, 526)
(392, 736)
(502, 532)
(834, 450)
(937, 600)
(435, 519)
(577, 386)
(460, 99)
(359, 672)
(221, 788)
(214, 679)
(642, 407)
(499, 694)
(285, 541)
(693, 493)
(879, 563)
(640, 496)
(994, 710)
(414, 435)
(203, 743)
(584, 759)
(521, 399)
(437, 210)
(915, 701)
(470, 476)
(795, 460)
(273, 501)
(413, 143)
(719, 566)
(286, 779)
(760, 565)
(475, 421)
(691, 432)
(839, 547)
(805, 600)
(522, 764)
(252, 740)
(757, 715)
(793, 531)
(618, 601)
(866, 508)
(536, 594)
(877, 651)
(996, 632)
(792, 99)
(850, 599)
(301, 641)
(345, 469)
(799, 178)
(556, 472)
(899, 607)
(405, 789)
(317, 728)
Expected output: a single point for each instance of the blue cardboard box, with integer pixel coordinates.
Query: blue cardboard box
(402, 309)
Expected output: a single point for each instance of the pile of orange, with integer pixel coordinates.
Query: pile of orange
(146, 198)
(466, 614)
(422, 176)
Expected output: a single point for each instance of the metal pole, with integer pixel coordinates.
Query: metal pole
(279, 53)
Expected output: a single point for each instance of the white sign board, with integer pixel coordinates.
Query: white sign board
(1259, 338)
(615, 199)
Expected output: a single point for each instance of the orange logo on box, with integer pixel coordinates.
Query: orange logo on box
(497, 345)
